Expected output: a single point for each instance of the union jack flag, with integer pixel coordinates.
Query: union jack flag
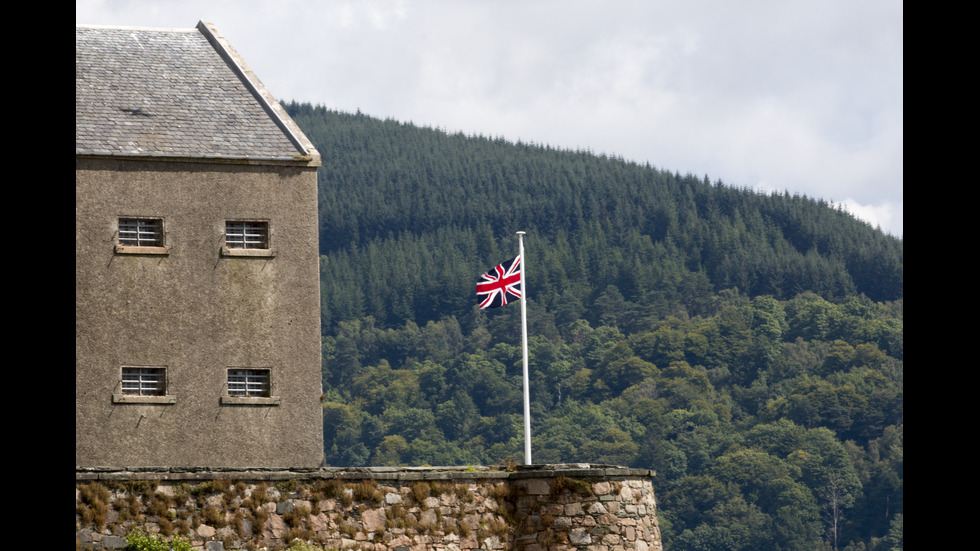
(500, 285)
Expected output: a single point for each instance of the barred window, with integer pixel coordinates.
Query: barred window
(144, 381)
(247, 235)
(249, 382)
(141, 232)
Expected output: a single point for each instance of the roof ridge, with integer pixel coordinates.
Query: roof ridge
(137, 28)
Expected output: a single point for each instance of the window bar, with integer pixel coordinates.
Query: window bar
(140, 232)
(143, 382)
(247, 235)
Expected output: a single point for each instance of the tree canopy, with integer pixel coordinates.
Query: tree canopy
(747, 346)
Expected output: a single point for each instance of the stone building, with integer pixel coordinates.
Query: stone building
(196, 261)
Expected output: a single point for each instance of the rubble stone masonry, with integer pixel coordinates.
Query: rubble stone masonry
(529, 508)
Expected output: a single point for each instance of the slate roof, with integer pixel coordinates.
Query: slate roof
(175, 93)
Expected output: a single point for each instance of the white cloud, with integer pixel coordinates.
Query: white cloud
(884, 215)
(806, 97)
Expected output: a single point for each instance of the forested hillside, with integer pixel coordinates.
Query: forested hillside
(746, 346)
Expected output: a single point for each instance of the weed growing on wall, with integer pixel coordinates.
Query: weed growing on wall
(368, 491)
(298, 545)
(94, 504)
(563, 483)
(420, 491)
(260, 494)
(137, 540)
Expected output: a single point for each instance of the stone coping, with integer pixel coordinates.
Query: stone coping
(577, 470)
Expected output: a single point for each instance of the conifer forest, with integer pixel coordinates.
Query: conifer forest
(746, 346)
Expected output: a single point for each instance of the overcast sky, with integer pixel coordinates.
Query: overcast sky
(765, 94)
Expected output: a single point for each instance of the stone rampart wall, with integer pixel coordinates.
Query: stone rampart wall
(535, 508)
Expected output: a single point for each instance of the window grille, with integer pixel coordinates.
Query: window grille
(248, 382)
(247, 235)
(141, 232)
(144, 381)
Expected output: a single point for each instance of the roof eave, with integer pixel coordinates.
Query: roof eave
(309, 161)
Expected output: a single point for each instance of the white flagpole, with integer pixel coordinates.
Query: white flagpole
(527, 400)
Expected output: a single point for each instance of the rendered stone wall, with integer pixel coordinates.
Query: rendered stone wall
(197, 313)
(537, 508)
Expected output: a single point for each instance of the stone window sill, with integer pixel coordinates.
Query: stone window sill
(261, 253)
(131, 249)
(250, 400)
(133, 399)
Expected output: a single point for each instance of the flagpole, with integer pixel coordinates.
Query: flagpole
(527, 400)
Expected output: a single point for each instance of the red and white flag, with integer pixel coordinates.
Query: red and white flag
(500, 285)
